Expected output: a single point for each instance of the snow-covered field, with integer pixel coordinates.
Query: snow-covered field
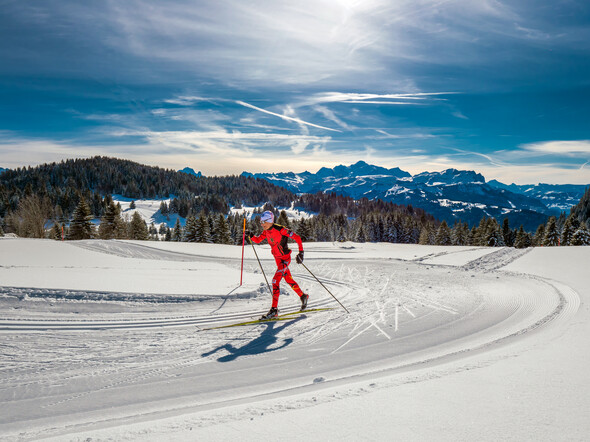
(149, 210)
(112, 340)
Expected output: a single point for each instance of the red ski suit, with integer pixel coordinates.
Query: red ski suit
(278, 236)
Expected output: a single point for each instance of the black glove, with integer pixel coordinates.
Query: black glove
(299, 257)
(248, 234)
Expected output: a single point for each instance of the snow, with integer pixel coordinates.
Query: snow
(292, 212)
(107, 340)
(149, 210)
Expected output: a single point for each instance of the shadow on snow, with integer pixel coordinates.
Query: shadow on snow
(262, 344)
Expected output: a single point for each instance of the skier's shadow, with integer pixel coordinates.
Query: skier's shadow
(259, 345)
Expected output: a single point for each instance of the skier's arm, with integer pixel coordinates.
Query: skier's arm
(258, 239)
(290, 234)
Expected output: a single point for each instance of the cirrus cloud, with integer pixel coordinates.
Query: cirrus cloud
(569, 148)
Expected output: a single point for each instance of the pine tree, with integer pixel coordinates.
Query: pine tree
(81, 226)
(493, 237)
(111, 225)
(203, 231)
(520, 240)
(164, 208)
(581, 237)
(163, 229)
(221, 234)
(284, 220)
(424, 235)
(539, 236)
(236, 228)
(304, 231)
(443, 235)
(177, 232)
(55, 232)
(507, 233)
(190, 229)
(472, 237)
(582, 210)
(551, 233)
(570, 226)
(138, 228)
(153, 231)
(480, 238)
(361, 235)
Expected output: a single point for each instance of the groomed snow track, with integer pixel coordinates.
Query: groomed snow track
(404, 316)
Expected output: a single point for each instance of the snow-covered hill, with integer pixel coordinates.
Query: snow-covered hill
(115, 340)
(150, 212)
(451, 195)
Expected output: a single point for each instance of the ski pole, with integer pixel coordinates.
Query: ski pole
(243, 243)
(260, 264)
(316, 278)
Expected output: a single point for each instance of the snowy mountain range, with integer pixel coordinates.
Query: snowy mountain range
(449, 195)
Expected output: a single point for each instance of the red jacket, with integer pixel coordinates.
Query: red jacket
(277, 236)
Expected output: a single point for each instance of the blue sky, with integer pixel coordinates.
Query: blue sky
(499, 87)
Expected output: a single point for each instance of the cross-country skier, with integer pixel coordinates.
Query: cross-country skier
(277, 236)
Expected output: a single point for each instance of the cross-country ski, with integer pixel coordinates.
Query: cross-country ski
(280, 317)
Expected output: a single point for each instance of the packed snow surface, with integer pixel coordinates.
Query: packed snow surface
(124, 340)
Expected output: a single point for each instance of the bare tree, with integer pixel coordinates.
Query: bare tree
(31, 216)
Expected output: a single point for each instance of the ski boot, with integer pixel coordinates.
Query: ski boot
(272, 313)
(304, 299)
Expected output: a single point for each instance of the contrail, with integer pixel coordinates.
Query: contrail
(284, 117)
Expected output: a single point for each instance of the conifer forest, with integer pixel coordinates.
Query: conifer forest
(65, 200)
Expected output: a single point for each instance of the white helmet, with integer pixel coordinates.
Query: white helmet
(267, 217)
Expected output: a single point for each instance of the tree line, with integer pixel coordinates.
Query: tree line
(376, 226)
(67, 197)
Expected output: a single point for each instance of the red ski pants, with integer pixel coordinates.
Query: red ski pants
(283, 272)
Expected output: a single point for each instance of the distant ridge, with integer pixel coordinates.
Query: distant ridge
(449, 195)
(191, 171)
(94, 178)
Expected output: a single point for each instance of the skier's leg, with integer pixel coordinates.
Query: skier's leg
(276, 281)
(288, 277)
(289, 280)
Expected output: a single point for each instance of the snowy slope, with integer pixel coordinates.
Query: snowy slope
(149, 210)
(108, 340)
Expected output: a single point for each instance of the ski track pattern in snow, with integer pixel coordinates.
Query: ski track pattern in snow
(75, 372)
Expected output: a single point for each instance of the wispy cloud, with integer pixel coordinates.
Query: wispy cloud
(488, 158)
(367, 98)
(330, 115)
(387, 136)
(229, 143)
(189, 100)
(284, 117)
(569, 148)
